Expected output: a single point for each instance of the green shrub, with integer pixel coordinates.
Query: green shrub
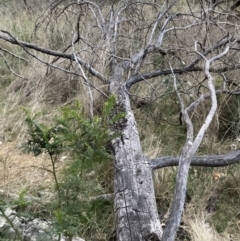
(85, 141)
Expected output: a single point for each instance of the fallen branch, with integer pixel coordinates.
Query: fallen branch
(206, 161)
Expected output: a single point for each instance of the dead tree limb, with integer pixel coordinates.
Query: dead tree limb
(87, 66)
(205, 161)
(189, 151)
(134, 198)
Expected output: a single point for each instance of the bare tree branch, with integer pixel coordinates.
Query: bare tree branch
(129, 38)
(189, 68)
(54, 53)
(87, 82)
(184, 163)
(11, 70)
(206, 161)
(188, 152)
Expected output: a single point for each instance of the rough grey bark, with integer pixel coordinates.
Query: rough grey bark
(179, 198)
(206, 161)
(135, 207)
(189, 150)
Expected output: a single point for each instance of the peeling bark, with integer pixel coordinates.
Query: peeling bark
(135, 207)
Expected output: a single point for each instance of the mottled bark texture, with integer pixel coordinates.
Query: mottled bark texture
(135, 207)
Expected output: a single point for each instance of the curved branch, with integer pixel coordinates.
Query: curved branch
(139, 77)
(205, 161)
(83, 63)
(10, 69)
(189, 68)
(203, 97)
(188, 152)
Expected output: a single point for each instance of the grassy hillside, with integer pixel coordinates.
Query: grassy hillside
(213, 203)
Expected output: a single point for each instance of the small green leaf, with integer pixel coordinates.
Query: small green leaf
(118, 117)
(108, 106)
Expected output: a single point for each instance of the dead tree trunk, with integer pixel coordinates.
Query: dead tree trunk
(135, 207)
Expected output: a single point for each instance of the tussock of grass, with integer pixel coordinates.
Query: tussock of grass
(200, 230)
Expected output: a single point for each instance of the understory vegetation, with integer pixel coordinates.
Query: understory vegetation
(45, 112)
(83, 178)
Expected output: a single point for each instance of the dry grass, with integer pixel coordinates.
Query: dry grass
(41, 87)
(200, 230)
(19, 171)
(198, 224)
(44, 89)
